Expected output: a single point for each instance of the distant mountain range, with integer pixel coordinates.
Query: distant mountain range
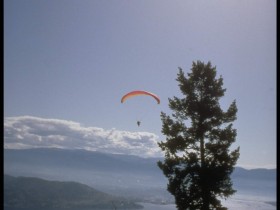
(130, 176)
(34, 193)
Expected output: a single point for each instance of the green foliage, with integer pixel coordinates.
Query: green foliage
(198, 162)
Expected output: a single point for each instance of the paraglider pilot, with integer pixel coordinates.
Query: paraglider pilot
(138, 123)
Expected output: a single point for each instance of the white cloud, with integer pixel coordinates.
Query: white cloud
(34, 132)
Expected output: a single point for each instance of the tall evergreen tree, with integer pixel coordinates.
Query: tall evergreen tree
(198, 161)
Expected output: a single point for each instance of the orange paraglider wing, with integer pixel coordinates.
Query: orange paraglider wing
(139, 93)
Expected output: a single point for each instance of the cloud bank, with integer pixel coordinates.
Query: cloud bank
(33, 132)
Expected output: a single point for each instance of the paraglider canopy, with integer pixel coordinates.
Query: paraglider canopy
(139, 93)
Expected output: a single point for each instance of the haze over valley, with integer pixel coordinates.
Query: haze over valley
(135, 178)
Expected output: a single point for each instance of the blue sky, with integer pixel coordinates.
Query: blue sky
(73, 60)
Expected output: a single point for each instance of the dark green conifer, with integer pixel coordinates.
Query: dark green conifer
(198, 161)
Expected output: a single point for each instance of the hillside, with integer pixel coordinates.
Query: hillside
(34, 193)
(122, 175)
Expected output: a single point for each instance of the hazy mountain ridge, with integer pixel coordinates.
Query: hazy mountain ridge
(36, 193)
(126, 175)
(258, 173)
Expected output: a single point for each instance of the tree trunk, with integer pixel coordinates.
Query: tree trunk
(203, 176)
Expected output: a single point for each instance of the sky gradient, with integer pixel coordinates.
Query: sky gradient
(73, 60)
